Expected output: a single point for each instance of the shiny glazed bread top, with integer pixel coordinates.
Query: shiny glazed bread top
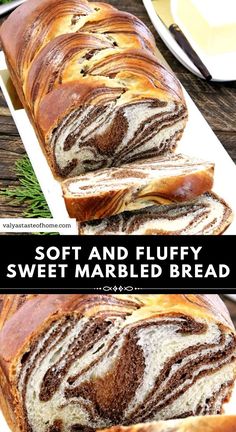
(89, 77)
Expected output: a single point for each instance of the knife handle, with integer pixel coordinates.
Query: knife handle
(188, 49)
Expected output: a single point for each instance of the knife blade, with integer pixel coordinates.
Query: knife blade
(163, 10)
(7, 7)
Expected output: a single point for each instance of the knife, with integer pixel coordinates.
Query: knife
(7, 7)
(163, 10)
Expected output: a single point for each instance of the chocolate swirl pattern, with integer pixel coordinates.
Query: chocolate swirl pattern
(92, 361)
(90, 79)
(206, 215)
(160, 180)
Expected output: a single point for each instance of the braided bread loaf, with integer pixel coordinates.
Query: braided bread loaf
(192, 424)
(78, 362)
(94, 89)
(161, 180)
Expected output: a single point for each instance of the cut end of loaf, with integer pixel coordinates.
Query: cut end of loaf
(86, 362)
(101, 371)
(207, 215)
(107, 135)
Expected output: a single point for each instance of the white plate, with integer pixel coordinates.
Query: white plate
(3, 425)
(221, 67)
(198, 140)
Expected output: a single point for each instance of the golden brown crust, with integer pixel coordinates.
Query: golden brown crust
(19, 31)
(9, 305)
(193, 424)
(29, 28)
(64, 56)
(69, 96)
(1, 302)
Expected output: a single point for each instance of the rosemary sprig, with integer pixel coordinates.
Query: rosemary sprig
(28, 192)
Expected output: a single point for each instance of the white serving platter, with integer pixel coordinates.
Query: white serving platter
(198, 140)
(221, 67)
(3, 425)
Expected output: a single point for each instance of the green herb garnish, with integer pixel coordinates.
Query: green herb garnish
(28, 192)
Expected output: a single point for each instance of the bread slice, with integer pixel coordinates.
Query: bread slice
(161, 180)
(78, 363)
(223, 423)
(208, 215)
